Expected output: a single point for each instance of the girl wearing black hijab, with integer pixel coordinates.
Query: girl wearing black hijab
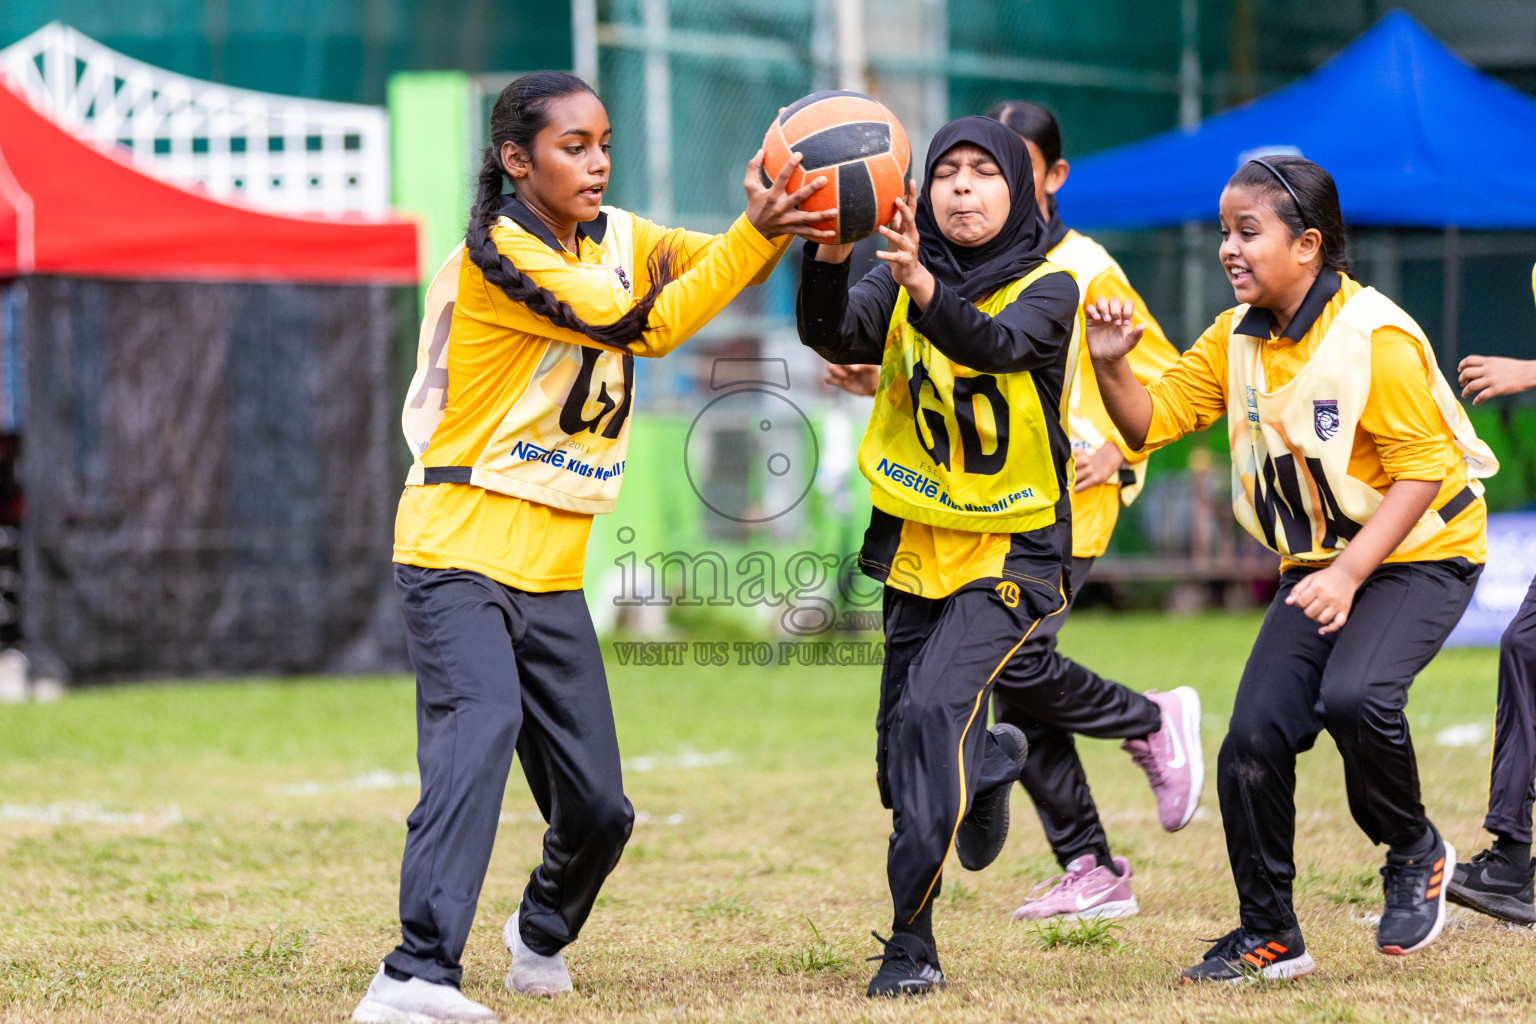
(971, 471)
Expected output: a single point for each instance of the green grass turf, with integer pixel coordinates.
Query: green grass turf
(250, 871)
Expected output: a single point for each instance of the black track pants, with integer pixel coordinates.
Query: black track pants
(496, 669)
(1053, 775)
(943, 657)
(1354, 683)
(1510, 791)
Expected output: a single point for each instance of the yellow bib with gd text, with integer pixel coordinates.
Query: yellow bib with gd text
(952, 447)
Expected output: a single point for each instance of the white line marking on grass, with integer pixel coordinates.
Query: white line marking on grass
(376, 779)
(1471, 734)
(647, 818)
(687, 757)
(87, 814)
(641, 818)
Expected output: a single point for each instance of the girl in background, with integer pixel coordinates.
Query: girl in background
(1109, 476)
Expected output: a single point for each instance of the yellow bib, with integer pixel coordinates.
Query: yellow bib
(563, 440)
(1086, 259)
(1291, 486)
(951, 447)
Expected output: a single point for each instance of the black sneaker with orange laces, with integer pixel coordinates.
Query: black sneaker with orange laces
(1415, 887)
(1241, 955)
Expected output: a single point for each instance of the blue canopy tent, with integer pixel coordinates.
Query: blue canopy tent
(1414, 136)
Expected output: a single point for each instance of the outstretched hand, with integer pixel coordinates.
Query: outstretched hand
(1491, 376)
(773, 210)
(1111, 328)
(901, 250)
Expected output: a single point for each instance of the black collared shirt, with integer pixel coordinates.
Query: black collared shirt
(1258, 322)
(1055, 231)
(517, 211)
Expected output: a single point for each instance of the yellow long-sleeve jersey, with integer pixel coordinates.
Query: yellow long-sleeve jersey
(1400, 430)
(1096, 510)
(519, 428)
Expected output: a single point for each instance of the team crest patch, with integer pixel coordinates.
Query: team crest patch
(1325, 418)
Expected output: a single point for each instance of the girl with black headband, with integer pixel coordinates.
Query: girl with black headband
(970, 466)
(1352, 460)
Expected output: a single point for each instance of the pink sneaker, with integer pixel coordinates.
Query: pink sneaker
(1172, 757)
(1086, 892)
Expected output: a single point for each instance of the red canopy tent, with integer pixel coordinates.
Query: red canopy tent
(15, 224)
(67, 207)
(203, 398)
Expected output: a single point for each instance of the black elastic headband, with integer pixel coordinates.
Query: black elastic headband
(1281, 178)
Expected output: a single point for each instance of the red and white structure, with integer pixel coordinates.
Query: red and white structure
(278, 153)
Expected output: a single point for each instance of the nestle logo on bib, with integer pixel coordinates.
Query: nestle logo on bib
(1325, 418)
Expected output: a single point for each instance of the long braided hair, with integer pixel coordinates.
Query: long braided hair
(519, 113)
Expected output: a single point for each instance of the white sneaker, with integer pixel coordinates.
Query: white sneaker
(388, 1001)
(543, 977)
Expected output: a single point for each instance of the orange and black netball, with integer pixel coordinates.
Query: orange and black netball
(857, 144)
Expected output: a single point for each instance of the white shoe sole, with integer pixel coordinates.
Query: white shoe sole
(370, 1012)
(1189, 707)
(1284, 971)
(1105, 911)
(1434, 933)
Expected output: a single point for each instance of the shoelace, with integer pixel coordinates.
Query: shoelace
(900, 954)
(1404, 883)
(1146, 758)
(1228, 947)
(1067, 882)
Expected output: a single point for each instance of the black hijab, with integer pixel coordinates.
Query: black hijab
(972, 272)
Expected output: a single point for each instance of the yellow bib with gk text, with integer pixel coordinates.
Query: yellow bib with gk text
(562, 439)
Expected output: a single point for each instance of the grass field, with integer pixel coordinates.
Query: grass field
(229, 851)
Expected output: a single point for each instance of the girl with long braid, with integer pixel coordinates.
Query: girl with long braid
(518, 422)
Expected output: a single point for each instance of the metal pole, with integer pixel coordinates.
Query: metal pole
(584, 40)
(1189, 116)
(1451, 334)
(936, 92)
(851, 59)
(658, 110)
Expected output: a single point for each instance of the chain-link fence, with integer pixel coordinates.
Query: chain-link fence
(692, 84)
